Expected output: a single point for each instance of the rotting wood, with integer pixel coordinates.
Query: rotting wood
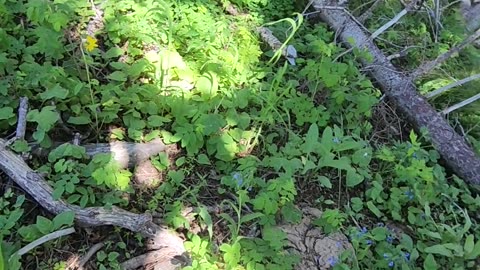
(453, 148)
(35, 185)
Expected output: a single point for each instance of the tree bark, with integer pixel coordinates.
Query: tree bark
(453, 148)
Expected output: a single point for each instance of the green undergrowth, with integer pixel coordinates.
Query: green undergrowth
(256, 136)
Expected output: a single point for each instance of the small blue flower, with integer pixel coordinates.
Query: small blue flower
(380, 224)
(364, 230)
(389, 239)
(406, 256)
(415, 156)
(238, 177)
(336, 140)
(391, 264)
(332, 261)
(369, 242)
(385, 255)
(409, 194)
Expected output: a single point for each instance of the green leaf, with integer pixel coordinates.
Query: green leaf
(324, 181)
(156, 121)
(80, 120)
(203, 213)
(343, 163)
(469, 244)
(44, 225)
(203, 159)
(475, 253)
(439, 249)
(430, 263)
(58, 192)
(46, 118)
(311, 139)
(6, 113)
(374, 209)
(327, 139)
(55, 92)
(64, 218)
(113, 52)
(117, 76)
(250, 217)
(353, 178)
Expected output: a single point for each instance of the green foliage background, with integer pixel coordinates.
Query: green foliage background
(253, 134)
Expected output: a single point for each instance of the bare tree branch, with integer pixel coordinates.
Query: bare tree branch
(461, 104)
(43, 239)
(450, 86)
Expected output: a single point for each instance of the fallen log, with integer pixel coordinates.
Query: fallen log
(398, 87)
(34, 184)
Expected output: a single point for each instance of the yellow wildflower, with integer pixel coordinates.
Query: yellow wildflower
(91, 43)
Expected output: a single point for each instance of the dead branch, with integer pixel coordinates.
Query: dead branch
(94, 249)
(457, 154)
(430, 65)
(158, 258)
(461, 104)
(395, 19)
(43, 239)
(454, 84)
(127, 154)
(35, 185)
(22, 118)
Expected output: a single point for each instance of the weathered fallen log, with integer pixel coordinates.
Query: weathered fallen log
(35, 185)
(453, 148)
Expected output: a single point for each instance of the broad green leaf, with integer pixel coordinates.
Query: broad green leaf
(117, 76)
(250, 217)
(475, 253)
(55, 92)
(203, 213)
(6, 113)
(44, 225)
(430, 263)
(64, 218)
(203, 159)
(58, 192)
(439, 249)
(113, 52)
(374, 209)
(343, 163)
(311, 139)
(324, 181)
(353, 178)
(156, 121)
(327, 140)
(80, 120)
